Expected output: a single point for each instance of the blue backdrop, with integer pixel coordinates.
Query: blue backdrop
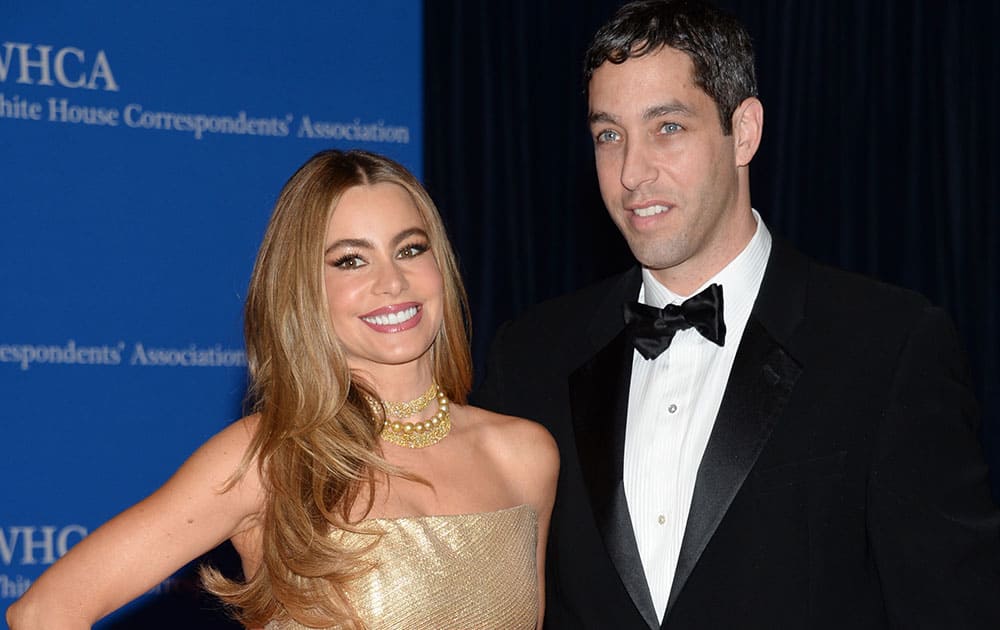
(143, 146)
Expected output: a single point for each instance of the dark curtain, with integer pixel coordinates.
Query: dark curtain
(879, 152)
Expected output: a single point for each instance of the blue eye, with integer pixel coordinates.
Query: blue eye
(608, 135)
(670, 128)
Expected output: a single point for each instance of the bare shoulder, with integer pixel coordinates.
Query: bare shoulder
(217, 461)
(225, 450)
(511, 435)
(524, 450)
(234, 440)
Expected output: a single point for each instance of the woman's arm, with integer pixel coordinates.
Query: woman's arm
(547, 474)
(533, 463)
(131, 553)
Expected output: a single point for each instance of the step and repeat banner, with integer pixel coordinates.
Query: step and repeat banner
(142, 146)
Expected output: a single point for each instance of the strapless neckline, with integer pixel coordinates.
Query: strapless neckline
(463, 515)
(444, 571)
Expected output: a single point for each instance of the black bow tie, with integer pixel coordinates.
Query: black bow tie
(652, 329)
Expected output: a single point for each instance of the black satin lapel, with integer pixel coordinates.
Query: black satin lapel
(599, 403)
(760, 384)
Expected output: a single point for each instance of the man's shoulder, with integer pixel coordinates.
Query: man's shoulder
(572, 311)
(835, 288)
(808, 299)
(849, 317)
(847, 291)
(532, 354)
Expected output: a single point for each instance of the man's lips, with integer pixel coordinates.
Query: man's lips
(646, 210)
(648, 214)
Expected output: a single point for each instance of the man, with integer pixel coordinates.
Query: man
(793, 446)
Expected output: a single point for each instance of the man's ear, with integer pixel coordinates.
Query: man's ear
(748, 124)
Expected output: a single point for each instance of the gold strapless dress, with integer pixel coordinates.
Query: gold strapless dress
(462, 572)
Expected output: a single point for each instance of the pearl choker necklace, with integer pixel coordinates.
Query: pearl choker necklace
(415, 434)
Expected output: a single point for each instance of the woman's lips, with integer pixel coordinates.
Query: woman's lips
(394, 318)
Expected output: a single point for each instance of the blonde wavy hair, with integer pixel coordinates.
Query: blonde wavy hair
(317, 443)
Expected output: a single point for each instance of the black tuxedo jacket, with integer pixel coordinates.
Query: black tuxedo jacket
(843, 485)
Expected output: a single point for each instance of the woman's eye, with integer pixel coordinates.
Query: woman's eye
(350, 261)
(412, 250)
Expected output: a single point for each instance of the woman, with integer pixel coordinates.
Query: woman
(348, 509)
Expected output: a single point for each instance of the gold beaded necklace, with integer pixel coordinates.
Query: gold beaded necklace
(415, 434)
(412, 407)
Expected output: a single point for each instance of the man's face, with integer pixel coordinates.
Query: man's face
(667, 173)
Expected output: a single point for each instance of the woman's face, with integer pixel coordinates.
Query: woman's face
(384, 290)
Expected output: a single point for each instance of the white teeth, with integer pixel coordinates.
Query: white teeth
(649, 211)
(392, 319)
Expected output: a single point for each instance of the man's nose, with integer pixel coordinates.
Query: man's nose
(636, 166)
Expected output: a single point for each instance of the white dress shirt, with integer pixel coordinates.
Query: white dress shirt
(673, 402)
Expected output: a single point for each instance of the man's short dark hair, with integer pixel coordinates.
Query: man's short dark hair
(717, 44)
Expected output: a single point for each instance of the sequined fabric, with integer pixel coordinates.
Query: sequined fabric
(470, 571)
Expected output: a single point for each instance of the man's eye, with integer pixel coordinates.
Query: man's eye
(608, 135)
(350, 261)
(669, 128)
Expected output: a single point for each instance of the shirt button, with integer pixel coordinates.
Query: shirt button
(672, 408)
(661, 519)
